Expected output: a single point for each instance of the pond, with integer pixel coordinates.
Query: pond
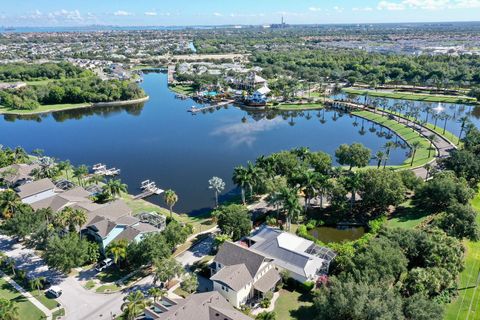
(337, 234)
(163, 142)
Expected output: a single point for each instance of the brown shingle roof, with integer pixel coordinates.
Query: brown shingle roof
(35, 187)
(233, 254)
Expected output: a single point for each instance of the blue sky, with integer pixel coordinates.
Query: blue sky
(212, 12)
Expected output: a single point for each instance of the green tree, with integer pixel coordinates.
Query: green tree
(241, 178)
(118, 250)
(419, 307)
(380, 189)
(190, 283)
(414, 146)
(266, 315)
(65, 253)
(66, 167)
(114, 188)
(459, 221)
(36, 283)
(133, 305)
(166, 269)
(156, 293)
(234, 221)
(80, 172)
(170, 198)
(217, 185)
(354, 155)
(8, 310)
(290, 204)
(9, 202)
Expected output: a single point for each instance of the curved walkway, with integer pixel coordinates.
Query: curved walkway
(443, 146)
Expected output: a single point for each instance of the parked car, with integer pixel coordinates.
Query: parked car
(54, 291)
(104, 264)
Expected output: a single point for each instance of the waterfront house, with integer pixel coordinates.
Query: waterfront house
(302, 258)
(259, 97)
(242, 276)
(199, 306)
(17, 174)
(36, 191)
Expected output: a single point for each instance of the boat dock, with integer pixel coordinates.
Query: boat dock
(102, 170)
(149, 188)
(194, 109)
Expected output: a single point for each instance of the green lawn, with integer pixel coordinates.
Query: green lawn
(108, 288)
(46, 301)
(293, 305)
(407, 134)
(44, 108)
(58, 314)
(182, 89)
(412, 96)
(467, 304)
(407, 216)
(26, 310)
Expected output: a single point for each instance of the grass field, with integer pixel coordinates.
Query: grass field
(412, 96)
(467, 304)
(407, 216)
(405, 133)
(26, 310)
(44, 109)
(293, 305)
(182, 89)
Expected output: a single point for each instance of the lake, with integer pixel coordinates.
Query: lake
(162, 142)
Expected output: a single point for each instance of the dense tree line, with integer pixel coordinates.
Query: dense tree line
(81, 90)
(372, 68)
(27, 72)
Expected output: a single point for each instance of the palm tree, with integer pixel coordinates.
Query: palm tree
(10, 264)
(80, 172)
(65, 166)
(78, 218)
(266, 315)
(118, 250)
(156, 293)
(170, 198)
(432, 138)
(414, 146)
(429, 168)
(291, 205)
(241, 178)
(353, 182)
(445, 118)
(63, 218)
(388, 147)
(114, 187)
(37, 283)
(309, 184)
(9, 203)
(133, 305)
(8, 309)
(463, 121)
(96, 179)
(217, 185)
(256, 176)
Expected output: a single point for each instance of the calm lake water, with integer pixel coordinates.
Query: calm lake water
(162, 142)
(332, 234)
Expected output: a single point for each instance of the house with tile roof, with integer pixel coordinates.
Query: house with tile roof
(241, 275)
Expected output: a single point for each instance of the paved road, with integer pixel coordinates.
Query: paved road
(197, 252)
(79, 303)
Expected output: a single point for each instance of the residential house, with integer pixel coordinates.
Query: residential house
(17, 174)
(304, 260)
(241, 275)
(36, 191)
(200, 306)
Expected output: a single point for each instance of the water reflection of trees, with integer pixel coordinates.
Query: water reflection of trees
(78, 114)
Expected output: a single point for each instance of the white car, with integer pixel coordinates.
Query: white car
(104, 264)
(55, 291)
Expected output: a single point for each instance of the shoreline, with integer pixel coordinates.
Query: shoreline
(75, 107)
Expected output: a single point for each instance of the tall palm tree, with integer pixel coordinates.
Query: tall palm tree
(463, 121)
(9, 203)
(8, 310)
(353, 182)
(118, 250)
(63, 218)
(114, 187)
(96, 179)
(170, 198)
(380, 156)
(390, 145)
(65, 166)
(241, 178)
(217, 185)
(133, 305)
(432, 138)
(156, 293)
(414, 146)
(291, 205)
(80, 172)
(78, 218)
(37, 283)
(309, 185)
(429, 168)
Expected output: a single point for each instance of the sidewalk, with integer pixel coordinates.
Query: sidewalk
(27, 295)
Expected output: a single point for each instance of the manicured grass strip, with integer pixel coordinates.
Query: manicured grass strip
(182, 89)
(407, 134)
(26, 310)
(467, 304)
(46, 301)
(108, 288)
(45, 108)
(412, 96)
(59, 313)
(293, 305)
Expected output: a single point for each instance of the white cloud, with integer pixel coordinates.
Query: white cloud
(151, 13)
(428, 4)
(467, 4)
(315, 9)
(364, 9)
(390, 6)
(121, 13)
(217, 14)
(338, 9)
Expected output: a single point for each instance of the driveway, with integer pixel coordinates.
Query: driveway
(79, 303)
(197, 252)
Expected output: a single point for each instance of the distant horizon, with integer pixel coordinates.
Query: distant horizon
(81, 13)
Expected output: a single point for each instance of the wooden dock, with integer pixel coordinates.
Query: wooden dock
(211, 107)
(149, 189)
